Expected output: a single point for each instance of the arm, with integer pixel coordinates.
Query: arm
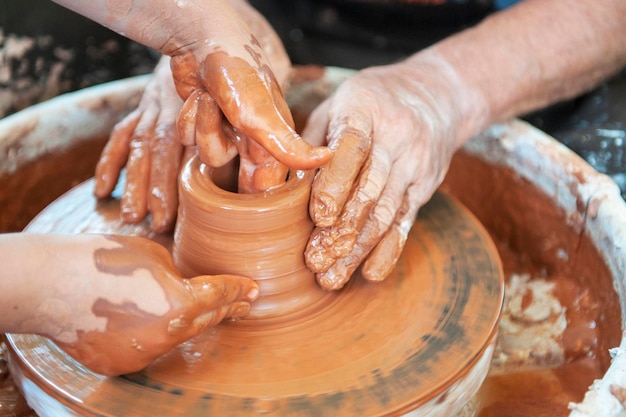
(165, 25)
(114, 303)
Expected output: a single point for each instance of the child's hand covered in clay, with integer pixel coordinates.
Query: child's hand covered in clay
(114, 303)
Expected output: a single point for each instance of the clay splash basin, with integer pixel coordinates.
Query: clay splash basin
(559, 227)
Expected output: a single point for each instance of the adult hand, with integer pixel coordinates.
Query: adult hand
(145, 142)
(123, 303)
(234, 105)
(393, 130)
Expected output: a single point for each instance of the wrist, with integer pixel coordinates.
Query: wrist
(201, 28)
(466, 107)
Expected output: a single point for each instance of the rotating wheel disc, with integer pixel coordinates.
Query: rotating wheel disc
(419, 339)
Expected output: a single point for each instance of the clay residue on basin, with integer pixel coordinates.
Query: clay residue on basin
(35, 184)
(535, 238)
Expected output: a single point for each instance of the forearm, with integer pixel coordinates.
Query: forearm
(48, 283)
(26, 280)
(536, 53)
(164, 25)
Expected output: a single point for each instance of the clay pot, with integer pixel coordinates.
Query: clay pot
(261, 236)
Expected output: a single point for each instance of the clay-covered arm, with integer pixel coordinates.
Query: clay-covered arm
(114, 303)
(394, 128)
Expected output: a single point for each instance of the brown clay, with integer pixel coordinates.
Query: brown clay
(531, 234)
(27, 191)
(506, 204)
(419, 339)
(543, 393)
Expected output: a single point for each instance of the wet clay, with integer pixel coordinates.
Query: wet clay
(221, 232)
(508, 392)
(267, 147)
(534, 237)
(421, 339)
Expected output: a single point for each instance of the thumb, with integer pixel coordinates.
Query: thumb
(216, 297)
(214, 291)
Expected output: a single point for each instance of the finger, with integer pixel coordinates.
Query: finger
(287, 146)
(259, 171)
(114, 155)
(214, 147)
(134, 201)
(236, 310)
(184, 74)
(166, 156)
(214, 298)
(377, 224)
(258, 112)
(338, 241)
(215, 291)
(186, 121)
(333, 184)
(279, 99)
(383, 258)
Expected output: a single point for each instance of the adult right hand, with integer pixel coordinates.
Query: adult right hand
(393, 130)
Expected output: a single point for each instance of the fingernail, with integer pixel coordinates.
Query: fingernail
(252, 294)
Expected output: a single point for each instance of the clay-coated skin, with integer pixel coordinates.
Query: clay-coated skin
(272, 124)
(390, 156)
(114, 303)
(146, 141)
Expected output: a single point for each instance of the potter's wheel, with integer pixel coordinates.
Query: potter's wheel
(421, 340)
